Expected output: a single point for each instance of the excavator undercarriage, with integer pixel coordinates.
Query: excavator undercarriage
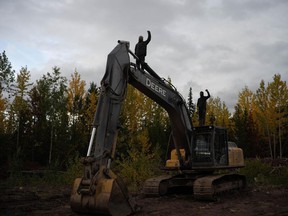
(203, 187)
(213, 168)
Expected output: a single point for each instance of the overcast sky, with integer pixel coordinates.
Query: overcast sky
(218, 45)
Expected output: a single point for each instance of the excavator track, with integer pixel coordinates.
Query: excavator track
(208, 187)
(204, 187)
(157, 186)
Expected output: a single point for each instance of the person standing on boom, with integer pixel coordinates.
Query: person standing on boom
(201, 105)
(141, 50)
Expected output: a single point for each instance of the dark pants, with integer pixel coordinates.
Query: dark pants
(202, 116)
(140, 61)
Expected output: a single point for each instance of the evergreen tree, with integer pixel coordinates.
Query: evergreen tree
(50, 118)
(6, 72)
(190, 104)
(245, 127)
(4, 136)
(20, 113)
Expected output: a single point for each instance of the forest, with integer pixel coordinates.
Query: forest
(47, 124)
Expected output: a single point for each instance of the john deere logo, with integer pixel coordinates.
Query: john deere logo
(155, 87)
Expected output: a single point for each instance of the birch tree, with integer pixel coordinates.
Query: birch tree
(271, 111)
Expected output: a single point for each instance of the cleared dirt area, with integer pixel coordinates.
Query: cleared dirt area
(55, 201)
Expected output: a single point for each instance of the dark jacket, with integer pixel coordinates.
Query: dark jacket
(141, 47)
(201, 103)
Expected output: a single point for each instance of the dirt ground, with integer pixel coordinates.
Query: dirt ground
(55, 201)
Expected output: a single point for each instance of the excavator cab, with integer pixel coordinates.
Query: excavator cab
(210, 150)
(210, 147)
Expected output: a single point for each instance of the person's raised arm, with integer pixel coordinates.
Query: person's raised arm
(208, 93)
(149, 37)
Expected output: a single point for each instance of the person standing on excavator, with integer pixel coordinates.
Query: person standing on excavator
(141, 50)
(201, 105)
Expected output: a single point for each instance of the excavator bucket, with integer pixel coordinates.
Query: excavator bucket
(110, 196)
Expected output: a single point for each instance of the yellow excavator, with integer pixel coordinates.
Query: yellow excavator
(199, 157)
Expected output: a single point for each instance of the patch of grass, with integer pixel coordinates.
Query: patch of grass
(279, 176)
(33, 178)
(50, 176)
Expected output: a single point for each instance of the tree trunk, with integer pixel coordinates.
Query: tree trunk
(274, 145)
(269, 141)
(280, 141)
(51, 146)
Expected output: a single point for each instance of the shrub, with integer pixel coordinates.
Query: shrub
(255, 170)
(258, 171)
(74, 170)
(137, 167)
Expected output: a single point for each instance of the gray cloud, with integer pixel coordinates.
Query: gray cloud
(215, 44)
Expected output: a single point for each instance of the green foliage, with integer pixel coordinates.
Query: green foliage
(259, 172)
(191, 106)
(19, 113)
(51, 177)
(41, 177)
(50, 118)
(137, 167)
(254, 168)
(6, 72)
(279, 176)
(75, 170)
(141, 139)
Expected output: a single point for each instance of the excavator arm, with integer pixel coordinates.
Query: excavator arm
(119, 72)
(100, 190)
